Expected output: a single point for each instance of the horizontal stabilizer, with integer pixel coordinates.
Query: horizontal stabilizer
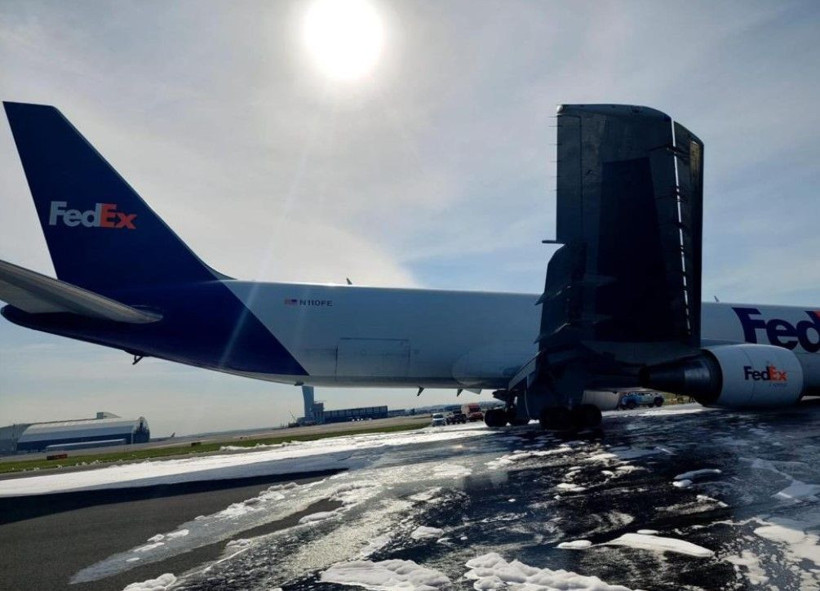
(37, 294)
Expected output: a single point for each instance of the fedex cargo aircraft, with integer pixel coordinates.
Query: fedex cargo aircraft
(621, 305)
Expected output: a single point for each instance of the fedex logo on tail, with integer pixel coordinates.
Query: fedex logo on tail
(779, 332)
(104, 215)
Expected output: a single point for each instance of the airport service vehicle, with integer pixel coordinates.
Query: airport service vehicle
(630, 400)
(621, 306)
(438, 420)
(456, 417)
(472, 411)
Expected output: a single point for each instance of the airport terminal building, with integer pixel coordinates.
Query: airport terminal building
(105, 429)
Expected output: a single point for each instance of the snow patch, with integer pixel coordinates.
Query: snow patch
(658, 543)
(386, 575)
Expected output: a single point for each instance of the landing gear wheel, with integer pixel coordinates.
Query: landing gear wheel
(587, 416)
(513, 418)
(495, 417)
(556, 418)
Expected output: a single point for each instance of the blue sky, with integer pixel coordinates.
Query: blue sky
(435, 170)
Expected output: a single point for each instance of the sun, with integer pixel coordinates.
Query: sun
(344, 37)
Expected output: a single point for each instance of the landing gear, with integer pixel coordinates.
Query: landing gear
(515, 420)
(565, 420)
(556, 418)
(587, 416)
(500, 417)
(495, 417)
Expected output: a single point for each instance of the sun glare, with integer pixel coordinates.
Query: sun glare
(344, 37)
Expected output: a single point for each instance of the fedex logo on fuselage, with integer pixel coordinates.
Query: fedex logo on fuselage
(781, 333)
(104, 215)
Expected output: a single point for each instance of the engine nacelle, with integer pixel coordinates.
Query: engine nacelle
(733, 376)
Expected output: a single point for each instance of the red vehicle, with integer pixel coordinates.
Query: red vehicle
(473, 412)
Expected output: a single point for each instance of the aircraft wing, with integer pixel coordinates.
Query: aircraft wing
(38, 294)
(623, 290)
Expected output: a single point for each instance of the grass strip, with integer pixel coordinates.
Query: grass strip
(188, 449)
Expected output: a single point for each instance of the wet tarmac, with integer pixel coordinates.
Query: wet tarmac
(678, 498)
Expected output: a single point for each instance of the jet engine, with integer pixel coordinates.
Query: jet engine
(737, 376)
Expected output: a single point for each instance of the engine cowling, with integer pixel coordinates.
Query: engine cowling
(733, 376)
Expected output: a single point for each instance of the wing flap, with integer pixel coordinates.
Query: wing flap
(38, 294)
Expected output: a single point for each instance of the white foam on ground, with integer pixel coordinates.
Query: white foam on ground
(161, 583)
(575, 545)
(386, 575)
(801, 544)
(570, 487)
(427, 496)
(682, 484)
(451, 471)
(661, 544)
(366, 484)
(317, 517)
(375, 545)
(491, 571)
(149, 547)
(685, 409)
(626, 469)
(751, 563)
(520, 456)
(695, 474)
(423, 533)
(325, 454)
(273, 504)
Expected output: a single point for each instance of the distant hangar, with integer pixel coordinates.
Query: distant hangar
(106, 429)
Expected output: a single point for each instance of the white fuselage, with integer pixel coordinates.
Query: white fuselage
(364, 336)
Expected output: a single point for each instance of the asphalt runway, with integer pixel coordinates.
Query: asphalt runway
(683, 498)
(46, 539)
